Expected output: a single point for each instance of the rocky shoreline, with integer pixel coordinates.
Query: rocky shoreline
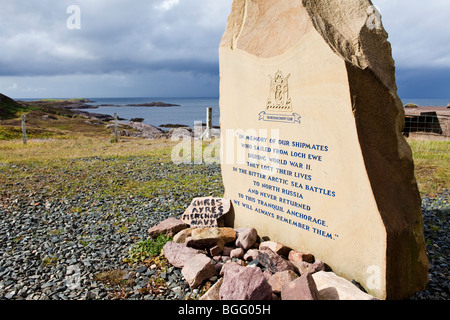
(55, 249)
(87, 104)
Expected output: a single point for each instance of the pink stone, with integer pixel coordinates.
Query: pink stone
(243, 283)
(276, 247)
(197, 269)
(246, 237)
(178, 253)
(168, 227)
(267, 275)
(279, 279)
(303, 267)
(302, 288)
(237, 253)
(251, 255)
(300, 256)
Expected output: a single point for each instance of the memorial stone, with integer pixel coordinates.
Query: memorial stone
(206, 212)
(312, 151)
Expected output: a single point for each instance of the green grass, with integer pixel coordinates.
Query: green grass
(147, 249)
(432, 165)
(10, 109)
(102, 170)
(66, 163)
(14, 133)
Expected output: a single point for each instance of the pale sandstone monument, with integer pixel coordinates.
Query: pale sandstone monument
(312, 150)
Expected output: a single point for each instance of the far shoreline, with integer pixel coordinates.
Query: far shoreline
(142, 105)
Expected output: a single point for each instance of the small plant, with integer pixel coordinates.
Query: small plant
(49, 261)
(83, 241)
(122, 229)
(111, 278)
(155, 286)
(146, 249)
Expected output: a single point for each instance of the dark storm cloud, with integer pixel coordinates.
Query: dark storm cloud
(423, 83)
(174, 43)
(114, 36)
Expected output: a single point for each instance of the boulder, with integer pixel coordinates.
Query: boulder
(276, 247)
(178, 253)
(303, 267)
(237, 253)
(280, 279)
(207, 238)
(296, 256)
(251, 255)
(273, 261)
(332, 287)
(49, 117)
(302, 288)
(206, 243)
(182, 236)
(243, 283)
(168, 227)
(226, 234)
(197, 269)
(246, 237)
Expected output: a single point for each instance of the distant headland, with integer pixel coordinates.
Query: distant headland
(81, 103)
(153, 104)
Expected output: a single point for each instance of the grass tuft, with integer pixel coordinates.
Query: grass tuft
(147, 249)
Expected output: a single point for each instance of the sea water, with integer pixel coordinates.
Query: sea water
(189, 111)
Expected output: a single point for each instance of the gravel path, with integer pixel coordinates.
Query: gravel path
(56, 237)
(436, 212)
(50, 251)
(55, 248)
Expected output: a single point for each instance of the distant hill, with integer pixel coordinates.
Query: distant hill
(9, 108)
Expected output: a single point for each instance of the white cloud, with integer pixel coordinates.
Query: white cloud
(13, 87)
(44, 44)
(167, 5)
(419, 32)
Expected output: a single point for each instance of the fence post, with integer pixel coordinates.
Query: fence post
(24, 130)
(116, 127)
(208, 123)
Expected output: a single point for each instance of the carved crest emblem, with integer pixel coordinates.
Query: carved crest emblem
(279, 93)
(279, 106)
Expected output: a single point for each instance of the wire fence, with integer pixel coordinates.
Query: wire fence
(430, 123)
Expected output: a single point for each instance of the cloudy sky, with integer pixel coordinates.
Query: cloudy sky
(169, 48)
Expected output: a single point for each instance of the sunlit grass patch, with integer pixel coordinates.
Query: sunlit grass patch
(432, 165)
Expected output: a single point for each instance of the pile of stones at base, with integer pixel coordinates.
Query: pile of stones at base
(247, 267)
